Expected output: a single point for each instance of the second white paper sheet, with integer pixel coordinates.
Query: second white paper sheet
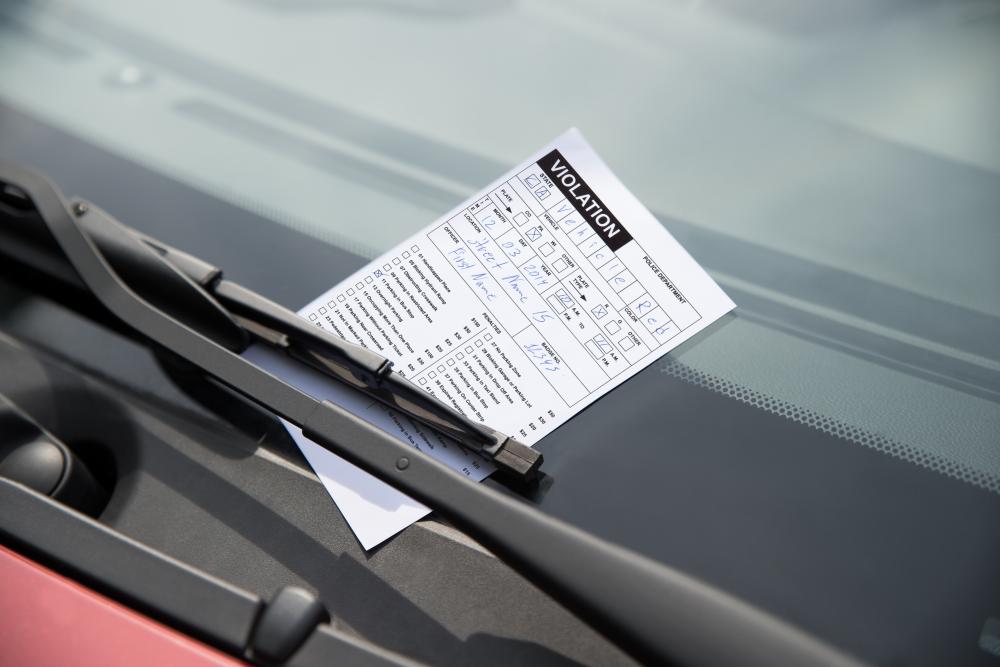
(518, 308)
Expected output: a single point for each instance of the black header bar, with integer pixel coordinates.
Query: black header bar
(584, 200)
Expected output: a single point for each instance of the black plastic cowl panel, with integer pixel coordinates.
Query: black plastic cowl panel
(112, 564)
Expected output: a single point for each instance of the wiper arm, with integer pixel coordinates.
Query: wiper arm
(175, 285)
(656, 614)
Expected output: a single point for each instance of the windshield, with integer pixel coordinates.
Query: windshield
(835, 166)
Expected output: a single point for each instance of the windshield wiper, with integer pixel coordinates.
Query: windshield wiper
(656, 614)
(195, 293)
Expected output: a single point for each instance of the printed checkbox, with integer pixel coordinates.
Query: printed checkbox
(406, 254)
(387, 268)
(546, 250)
(368, 279)
(350, 291)
(415, 249)
(422, 381)
(441, 368)
(599, 311)
(322, 310)
(451, 362)
(395, 260)
(460, 356)
(479, 343)
(313, 316)
(613, 327)
(331, 304)
(626, 344)
(520, 218)
(542, 193)
(432, 375)
(534, 234)
(469, 349)
(559, 265)
(340, 298)
(360, 286)
(531, 180)
(489, 336)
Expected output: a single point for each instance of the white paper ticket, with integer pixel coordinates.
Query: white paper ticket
(519, 308)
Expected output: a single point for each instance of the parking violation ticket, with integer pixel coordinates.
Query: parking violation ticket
(519, 308)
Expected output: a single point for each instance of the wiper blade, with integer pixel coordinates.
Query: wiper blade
(656, 614)
(372, 374)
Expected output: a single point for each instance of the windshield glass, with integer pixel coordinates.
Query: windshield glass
(835, 166)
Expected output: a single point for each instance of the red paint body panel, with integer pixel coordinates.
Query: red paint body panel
(47, 620)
